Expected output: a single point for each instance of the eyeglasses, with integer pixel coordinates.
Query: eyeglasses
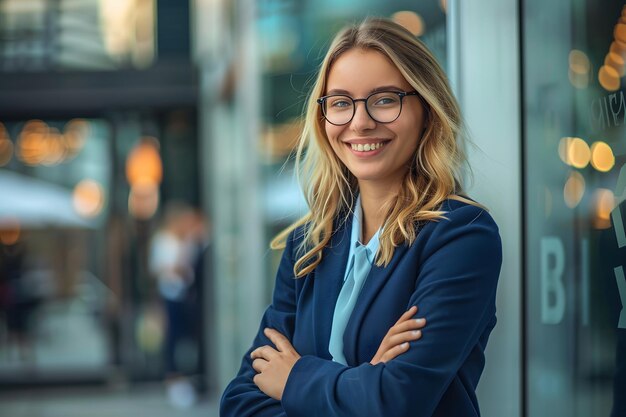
(382, 106)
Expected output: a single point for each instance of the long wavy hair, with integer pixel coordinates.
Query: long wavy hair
(435, 170)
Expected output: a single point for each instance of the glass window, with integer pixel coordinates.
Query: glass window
(53, 291)
(575, 178)
(40, 35)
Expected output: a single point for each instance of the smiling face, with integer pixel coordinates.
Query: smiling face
(357, 73)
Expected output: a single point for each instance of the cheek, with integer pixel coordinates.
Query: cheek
(332, 131)
(411, 134)
(332, 135)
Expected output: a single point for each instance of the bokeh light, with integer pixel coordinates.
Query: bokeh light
(579, 69)
(412, 21)
(54, 147)
(609, 78)
(75, 134)
(579, 62)
(574, 152)
(6, 146)
(619, 32)
(88, 198)
(603, 203)
(31, 144)
(143, 201)
(574, 189)
(10, 230)
(602, 157)
(143, 165)
(615, 61)
(618, 48)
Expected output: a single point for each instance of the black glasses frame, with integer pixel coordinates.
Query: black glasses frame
(322, 101)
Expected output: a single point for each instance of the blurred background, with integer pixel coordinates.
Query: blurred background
(131, 130)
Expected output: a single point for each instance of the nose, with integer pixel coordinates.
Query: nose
(361, 120)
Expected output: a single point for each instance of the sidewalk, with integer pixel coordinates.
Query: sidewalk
(97, 402)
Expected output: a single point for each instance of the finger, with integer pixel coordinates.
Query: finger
(407, 314)
(409, 325)
(264, 352)
(407, 336)
(281, 342)
(395, 351)
(259, 365)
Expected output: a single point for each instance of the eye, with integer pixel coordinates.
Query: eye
(339, 102)
(385, 99)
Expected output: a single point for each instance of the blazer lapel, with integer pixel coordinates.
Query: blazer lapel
(328, 281)
(374, 282)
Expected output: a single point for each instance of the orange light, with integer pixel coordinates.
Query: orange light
(32, 145)
(574, 189)
(580, 81)
(574, 152)
(619, 32)
(143, 165)
(579, 62)
(10, 231)
(618, 47)
(143, 200)
(609, 78)
(75, 134)
(6, 146)
(88, 198)
(616, 62)
(54, 148)
(411, 21)
(604, 202)
(602, 157)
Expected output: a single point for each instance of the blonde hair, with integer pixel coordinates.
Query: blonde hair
(435, 171)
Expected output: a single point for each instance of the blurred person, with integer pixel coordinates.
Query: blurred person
(17, 301)
(175, 251)
(389, 231)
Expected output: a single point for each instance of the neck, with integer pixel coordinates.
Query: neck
(374, 197)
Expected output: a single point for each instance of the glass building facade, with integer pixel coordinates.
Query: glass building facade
(574, 174)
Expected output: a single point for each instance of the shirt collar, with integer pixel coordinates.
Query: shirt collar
(373, 244)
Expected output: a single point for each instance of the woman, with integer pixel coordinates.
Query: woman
(387, 234)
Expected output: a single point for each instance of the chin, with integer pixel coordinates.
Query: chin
(367, 176)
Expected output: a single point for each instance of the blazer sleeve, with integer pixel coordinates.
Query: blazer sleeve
(242, 398)
(455, 291)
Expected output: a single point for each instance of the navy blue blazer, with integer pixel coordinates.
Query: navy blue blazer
(450, 272)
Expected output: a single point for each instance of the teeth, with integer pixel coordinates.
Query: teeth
(367, 147)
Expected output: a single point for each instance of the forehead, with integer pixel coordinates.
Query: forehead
(359, 71)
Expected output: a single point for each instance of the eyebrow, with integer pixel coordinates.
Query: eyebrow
(374, 90)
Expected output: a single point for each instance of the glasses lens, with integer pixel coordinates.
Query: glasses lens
(384, 107)
(338, 109)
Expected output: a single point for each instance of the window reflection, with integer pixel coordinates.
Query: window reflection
(574, 150)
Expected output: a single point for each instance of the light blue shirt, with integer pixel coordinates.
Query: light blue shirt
(355, 238)
(349, 295)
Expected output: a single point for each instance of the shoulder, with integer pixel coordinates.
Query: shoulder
(467, 225)
(461, 212)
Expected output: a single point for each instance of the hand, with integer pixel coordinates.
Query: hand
(273, 366)
(397, 339)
